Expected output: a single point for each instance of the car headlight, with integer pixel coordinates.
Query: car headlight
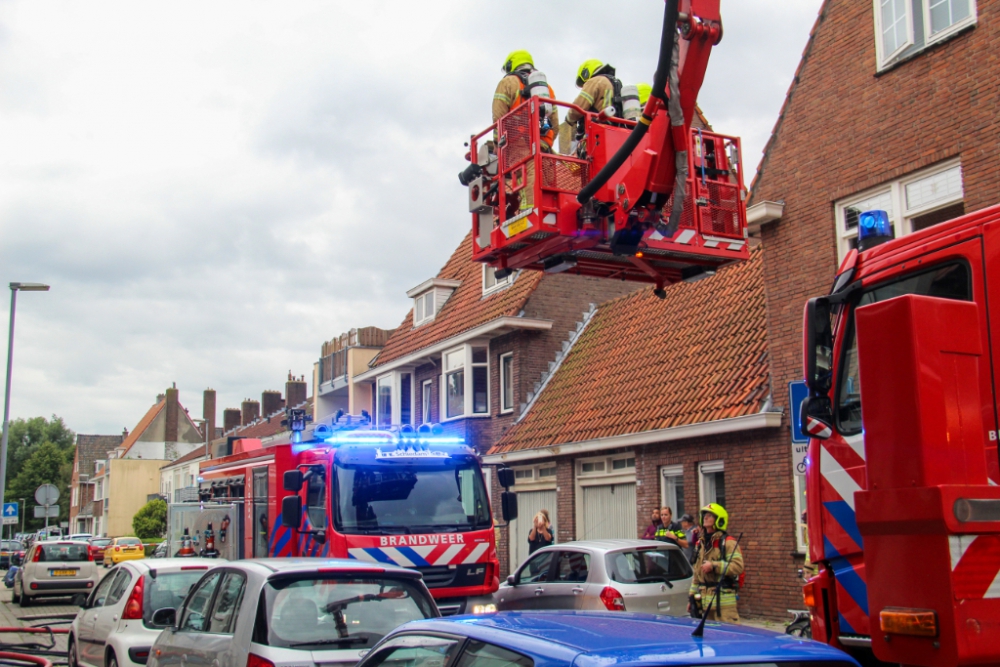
(484, 608)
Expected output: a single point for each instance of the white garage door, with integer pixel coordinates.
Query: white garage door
(528, 505)
(609, 512)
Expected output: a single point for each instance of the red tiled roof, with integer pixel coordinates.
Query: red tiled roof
(143, 424)
(644, 364)
(466, 309)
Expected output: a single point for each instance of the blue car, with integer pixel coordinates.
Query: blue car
(591, 639)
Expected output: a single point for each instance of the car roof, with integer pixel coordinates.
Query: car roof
(310, 565)
(612, 545)
(599, 639)
(147, 564)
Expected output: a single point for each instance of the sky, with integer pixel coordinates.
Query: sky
(214, 189)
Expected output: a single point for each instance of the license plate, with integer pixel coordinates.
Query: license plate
(63, 573)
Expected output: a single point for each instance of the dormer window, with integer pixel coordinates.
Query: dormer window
(429, 297)
(490, 282)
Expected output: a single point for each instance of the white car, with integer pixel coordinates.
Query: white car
(114, 628)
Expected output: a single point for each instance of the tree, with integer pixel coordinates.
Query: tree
(26, 435)
(150, 520)
(47, 464)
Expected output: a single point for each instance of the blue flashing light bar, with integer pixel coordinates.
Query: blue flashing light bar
(874, 228)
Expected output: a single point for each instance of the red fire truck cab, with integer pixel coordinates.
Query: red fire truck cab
(902, 496)
(415, 500)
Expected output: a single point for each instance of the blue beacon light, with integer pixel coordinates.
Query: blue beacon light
(874, 228)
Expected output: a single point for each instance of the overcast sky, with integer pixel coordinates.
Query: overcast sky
(215, 188)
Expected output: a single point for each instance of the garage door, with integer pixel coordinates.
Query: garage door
(609, 512)
(528, 505)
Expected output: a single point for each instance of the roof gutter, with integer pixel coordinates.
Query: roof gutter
(716, 427)
(495, 327)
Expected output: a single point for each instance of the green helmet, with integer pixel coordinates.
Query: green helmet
(515, 59)
(719, 512)
(588, 69)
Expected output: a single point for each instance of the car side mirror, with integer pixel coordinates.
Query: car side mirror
(291, 511)
(292, 480)
(166, 617)
(510, 580)
(508, 506)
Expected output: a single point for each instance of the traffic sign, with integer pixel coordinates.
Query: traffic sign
(798, 392)
(10, 514)
(43, 511)
(47, 494)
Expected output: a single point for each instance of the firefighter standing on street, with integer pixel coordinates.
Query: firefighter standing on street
(714, 549)
(599, 90)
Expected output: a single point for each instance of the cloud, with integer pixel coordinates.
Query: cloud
(214, 190)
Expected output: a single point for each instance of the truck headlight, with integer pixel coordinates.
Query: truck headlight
(483, 608)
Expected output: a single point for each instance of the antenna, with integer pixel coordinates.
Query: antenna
(700, 630)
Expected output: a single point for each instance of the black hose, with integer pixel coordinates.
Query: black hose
(667, 38)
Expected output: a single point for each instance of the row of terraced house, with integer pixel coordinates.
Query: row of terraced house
(607, 401)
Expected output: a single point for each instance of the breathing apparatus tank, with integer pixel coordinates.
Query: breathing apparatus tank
(186, 550)
(631, 109)
(538, 86)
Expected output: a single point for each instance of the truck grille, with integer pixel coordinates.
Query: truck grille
(473, 574)
(438, 577)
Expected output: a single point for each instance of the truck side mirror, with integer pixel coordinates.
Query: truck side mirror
(506, 477)
(291, 512)
(818, 345)
(817, 417)
(292, 480)
(508, 506)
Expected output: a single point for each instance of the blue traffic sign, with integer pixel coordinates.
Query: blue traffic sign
(10, 514)
(797, 393)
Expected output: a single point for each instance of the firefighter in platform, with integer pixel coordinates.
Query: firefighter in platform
(600, 89)
(520, 83)
(714, 549)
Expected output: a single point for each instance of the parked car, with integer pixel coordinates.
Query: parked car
(123, 548)
(80, 536)
(300, 611)
(55, 569)
(115, 626)
(97, 547)
(162, 550)
(605, 639)
(614, 575)
(9, 548)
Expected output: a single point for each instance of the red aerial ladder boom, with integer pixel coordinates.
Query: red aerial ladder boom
(652, 200)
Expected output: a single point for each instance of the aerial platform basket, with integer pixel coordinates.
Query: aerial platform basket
(525, 213)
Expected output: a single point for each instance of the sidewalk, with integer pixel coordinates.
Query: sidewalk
(10, 616)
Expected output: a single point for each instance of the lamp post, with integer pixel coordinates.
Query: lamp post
(14, 289)
(22, 510)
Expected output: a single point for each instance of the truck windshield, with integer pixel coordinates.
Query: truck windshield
(404, 499)
(950, 281)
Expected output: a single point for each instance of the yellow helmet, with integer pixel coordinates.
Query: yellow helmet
(515, 59)
(720, 513)
(644, 90)
(587, 69)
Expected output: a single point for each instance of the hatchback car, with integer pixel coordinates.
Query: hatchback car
(592, 639)
(55, 569)
(289, 611)
(115, 626)
(614, 575)
(122, 549)
(8, 549)
(97, 547)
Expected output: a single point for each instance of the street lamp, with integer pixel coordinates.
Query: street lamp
(14, 289)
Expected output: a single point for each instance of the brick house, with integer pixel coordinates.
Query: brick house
(89, 450)
(472, 349)
(662, 403)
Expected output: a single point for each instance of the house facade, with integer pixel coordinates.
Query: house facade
(341, 360)
(90, 449)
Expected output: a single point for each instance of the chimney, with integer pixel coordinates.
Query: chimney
(230, 419)
(270, 402)
(251, 411)
(159, 398)
(208, 414)
(173, 415)
(295, 391)
(124, 433)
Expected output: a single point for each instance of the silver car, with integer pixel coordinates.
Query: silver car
(283, 611)
(55, 569)
(617, 575)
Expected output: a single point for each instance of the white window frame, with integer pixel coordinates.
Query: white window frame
(535, 482)
(76, 496)
(468, 399)
(886, 60)
(427, 314)
(799, 482)
(506, 380)
(902, 217)
(426, 389)
(395, 379)
(609, 475)
(497, 284)
(670, 472)
(706, 468)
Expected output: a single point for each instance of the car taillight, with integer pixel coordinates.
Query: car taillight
(133, 609)
(612, 599)
(257, 661)
(37, 556)
(118, 548)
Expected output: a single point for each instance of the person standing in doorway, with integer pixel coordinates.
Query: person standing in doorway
(541, 532)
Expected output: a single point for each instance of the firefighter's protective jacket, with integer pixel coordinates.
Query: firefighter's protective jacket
(509, 94)
(709, 549)
(597, 94)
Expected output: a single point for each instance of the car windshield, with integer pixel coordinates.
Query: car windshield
(129, 541)
(410, 499)
(336, 613)
(168, 589)
(63, 553)
(642, 566)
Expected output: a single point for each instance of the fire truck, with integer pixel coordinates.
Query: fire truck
(903, 502)
(405, 496)
(647, 198)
